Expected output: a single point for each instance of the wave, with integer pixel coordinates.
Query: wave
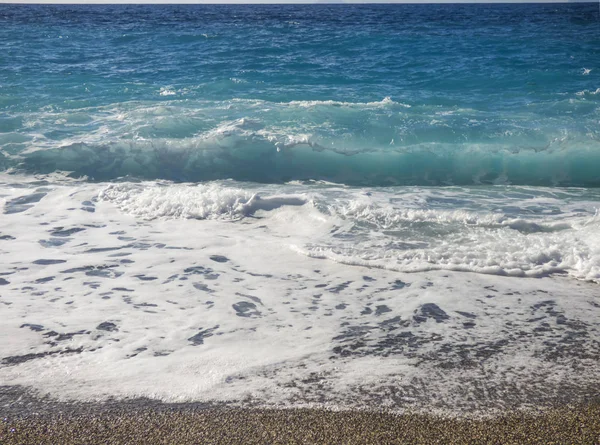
(204, 201)
(515, 247)
(259, 159)
(391, 218)
(378, 228)
(587, 93)
(355, 143)
(385, 102)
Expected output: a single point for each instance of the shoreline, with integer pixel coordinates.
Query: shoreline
(186, 425)
(26, 418)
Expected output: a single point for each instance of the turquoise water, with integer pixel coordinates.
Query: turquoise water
(363, 94)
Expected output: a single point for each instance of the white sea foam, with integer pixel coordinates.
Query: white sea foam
(387, 101)
(588, 92)
(211, 201)
(417, 239)
(130, 293)
(374, 232)
(166, 91)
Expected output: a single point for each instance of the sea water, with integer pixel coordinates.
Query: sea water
(339, 205)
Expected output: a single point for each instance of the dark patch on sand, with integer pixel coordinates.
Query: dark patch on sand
(104, 249)
(466, 314)
(382, 309)
(251, 297)
(203, 287)
(339, 288)
(430, 310)
(22, 203)
(18, 359)
(107, 326)
(53, 242)
(245, 309)
(61, 232)
(207, 272)
(43, 262)
(145, 277)
(198, 339)
(399, 284)
(33, 327)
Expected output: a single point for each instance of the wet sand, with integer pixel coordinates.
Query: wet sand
(135, 423)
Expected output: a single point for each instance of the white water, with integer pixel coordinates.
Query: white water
(227, 291)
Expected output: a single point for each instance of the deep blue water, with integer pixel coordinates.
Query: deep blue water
(360, 94)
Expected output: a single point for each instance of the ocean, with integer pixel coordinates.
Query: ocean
(343, 206)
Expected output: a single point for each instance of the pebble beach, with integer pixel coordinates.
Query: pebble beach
(565, 425)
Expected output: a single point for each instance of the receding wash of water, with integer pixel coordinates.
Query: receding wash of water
(342, 206)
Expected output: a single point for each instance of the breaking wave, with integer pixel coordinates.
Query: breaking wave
(371, 143)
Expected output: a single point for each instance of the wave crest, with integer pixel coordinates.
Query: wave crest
(370, 143)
